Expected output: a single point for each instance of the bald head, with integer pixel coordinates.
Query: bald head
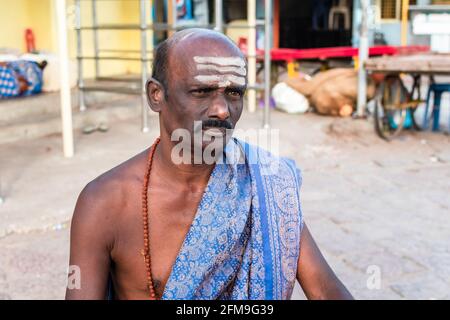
(176, 51)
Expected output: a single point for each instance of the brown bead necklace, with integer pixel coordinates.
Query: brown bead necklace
(146, 251)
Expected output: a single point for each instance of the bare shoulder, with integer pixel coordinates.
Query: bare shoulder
(104, 197)
(110, 187)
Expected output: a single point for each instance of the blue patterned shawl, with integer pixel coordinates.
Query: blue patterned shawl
(244, 242)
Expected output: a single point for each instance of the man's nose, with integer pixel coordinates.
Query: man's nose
(219, 108)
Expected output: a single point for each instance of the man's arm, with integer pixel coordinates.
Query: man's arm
(317, 279)
(90, 244)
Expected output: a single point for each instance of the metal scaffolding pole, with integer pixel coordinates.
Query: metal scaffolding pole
(404, 26)
(95, 37)
(2, 199)
(363, 55)
(251, 52)
(174, 14)
(218, 14)
(171, 16)
(267, 61)
(79, 56)
(143, 16)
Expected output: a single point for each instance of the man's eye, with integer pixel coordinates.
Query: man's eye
(202, 91)
(235, 93)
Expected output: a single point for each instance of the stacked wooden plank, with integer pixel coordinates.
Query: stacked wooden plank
(436, 63)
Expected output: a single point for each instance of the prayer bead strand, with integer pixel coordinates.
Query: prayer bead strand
(146, 251)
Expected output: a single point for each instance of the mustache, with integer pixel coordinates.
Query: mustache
(214, 123)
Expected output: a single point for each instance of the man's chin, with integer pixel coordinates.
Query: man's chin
(209, 133)
(215, 143)
(219, 136)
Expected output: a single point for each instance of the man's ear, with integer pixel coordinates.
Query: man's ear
(155, 94)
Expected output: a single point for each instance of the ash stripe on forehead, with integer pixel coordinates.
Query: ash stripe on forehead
(222, 80)
(221, 61)
(239, 70)
(225, 66)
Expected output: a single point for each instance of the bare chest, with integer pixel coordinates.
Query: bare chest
(170, 217)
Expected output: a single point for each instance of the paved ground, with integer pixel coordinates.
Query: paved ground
(375, 208)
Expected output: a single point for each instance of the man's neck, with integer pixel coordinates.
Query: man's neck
(185, 174)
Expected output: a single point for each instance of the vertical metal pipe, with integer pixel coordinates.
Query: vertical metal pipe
(95, 37)
(362, 57)
(251, 52)
(174, 14)
(171, 16)
(267, 61)
(404, 25)
(79, 55)
(1, 198)
(143, 22)
(218, 14)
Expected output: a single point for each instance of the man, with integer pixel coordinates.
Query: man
(229, 230)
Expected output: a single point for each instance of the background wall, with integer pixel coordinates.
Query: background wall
(18, 15)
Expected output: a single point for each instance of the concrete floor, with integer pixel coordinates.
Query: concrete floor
(371, 205)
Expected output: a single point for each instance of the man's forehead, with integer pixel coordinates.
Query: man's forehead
(204, 54)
